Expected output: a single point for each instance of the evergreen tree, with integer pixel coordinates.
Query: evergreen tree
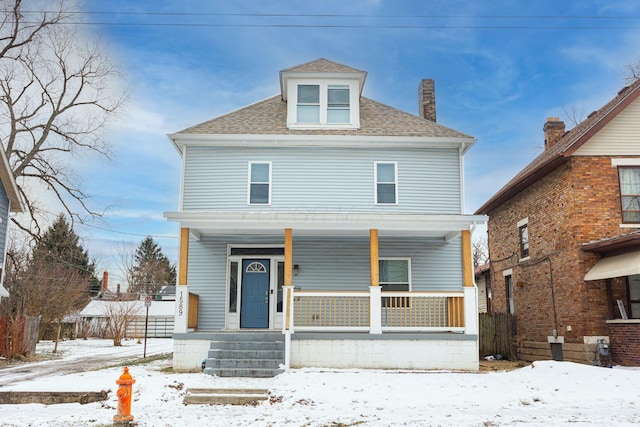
(151, 269)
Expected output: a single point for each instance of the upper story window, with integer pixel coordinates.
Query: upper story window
(317, 104)
(630, 193)
(523, 233)
(259, 183)
(338, 104)
(308, 104)
(386, 183)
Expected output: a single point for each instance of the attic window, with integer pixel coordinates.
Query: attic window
(323, 104)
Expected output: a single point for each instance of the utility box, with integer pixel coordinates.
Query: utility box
(556, 351)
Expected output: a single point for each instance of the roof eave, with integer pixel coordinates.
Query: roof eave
(511, 189)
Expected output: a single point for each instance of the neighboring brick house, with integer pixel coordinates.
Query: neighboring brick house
(564, 239)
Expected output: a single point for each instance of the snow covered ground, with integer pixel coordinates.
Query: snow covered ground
(546, 393)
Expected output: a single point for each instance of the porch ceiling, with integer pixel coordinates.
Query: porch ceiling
(310, 224)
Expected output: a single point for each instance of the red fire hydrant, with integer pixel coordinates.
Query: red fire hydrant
(125, 392)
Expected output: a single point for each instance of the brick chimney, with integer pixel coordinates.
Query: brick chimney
(553, 131)
(105, 281)
(427, 100)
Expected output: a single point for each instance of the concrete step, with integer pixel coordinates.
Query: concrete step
(246, 354)
(247, 345)
(224, 396)
(243, 363)
(237, 372)
(248, 336)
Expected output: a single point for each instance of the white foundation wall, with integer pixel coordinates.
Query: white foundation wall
(188, 354)
(385, 354)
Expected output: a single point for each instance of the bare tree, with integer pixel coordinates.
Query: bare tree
(58, 89)
(119, 315)
(480, 251)
(574, 114)
(633, 72)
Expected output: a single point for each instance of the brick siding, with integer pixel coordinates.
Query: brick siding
(575, 204)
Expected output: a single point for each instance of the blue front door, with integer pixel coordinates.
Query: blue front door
(254, 310)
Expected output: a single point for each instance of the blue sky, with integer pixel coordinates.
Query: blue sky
(500, 68)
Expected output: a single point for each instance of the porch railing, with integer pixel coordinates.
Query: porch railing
(352, 311)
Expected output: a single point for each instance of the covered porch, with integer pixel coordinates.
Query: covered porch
(334, 319)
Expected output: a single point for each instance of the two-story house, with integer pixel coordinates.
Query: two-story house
(329, 223)
(564, 239)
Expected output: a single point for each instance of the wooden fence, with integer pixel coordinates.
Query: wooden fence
(497, 332)
(18, 336)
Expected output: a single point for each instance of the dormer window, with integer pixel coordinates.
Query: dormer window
(325, 104)
(338, 104)
(308, 104)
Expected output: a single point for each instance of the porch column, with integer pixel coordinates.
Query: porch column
(182, 290)
(287, 290)
(470, 291)
(375, 292)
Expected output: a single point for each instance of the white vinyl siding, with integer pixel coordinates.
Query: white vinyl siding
(322, 179)
(619, 137)
(326, 263)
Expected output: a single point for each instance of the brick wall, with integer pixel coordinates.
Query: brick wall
(577, 203)
(624, 343)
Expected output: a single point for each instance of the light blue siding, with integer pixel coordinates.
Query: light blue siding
(315, 179)
(328, 263)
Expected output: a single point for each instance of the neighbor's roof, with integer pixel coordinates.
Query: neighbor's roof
(100, 308)
(269, 117)
(561, 151)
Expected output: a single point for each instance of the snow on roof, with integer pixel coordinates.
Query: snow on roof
(99, 308)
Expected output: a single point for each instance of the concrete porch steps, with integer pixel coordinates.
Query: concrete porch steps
(245, 354)
(224, 396)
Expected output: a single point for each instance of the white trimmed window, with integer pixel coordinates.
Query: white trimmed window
(395, 275)
(523, 234)
(630, 194)
(317, 104)
(386, 183)
(259, 192)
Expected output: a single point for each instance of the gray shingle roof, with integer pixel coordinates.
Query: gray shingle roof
(321, 65)
(269, 117)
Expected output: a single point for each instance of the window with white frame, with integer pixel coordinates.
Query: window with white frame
(338, 104)
(630, 194)
(323, 104)
(508, 284)
(308, 107)
(259, 183)
(523, 234)
(395, 275)
(386, 183)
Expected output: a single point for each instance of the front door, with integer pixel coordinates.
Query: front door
(254, 310)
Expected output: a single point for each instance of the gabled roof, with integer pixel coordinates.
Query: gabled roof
(320, 68)
(321, 65)
(561, 151)
(269, 117)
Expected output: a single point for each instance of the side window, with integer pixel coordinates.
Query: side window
(630, 194)
(308, 104)
(259, 183)
(633, 290)
(233, 286)
(508, 283)
(386, 183)
(523, 233)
